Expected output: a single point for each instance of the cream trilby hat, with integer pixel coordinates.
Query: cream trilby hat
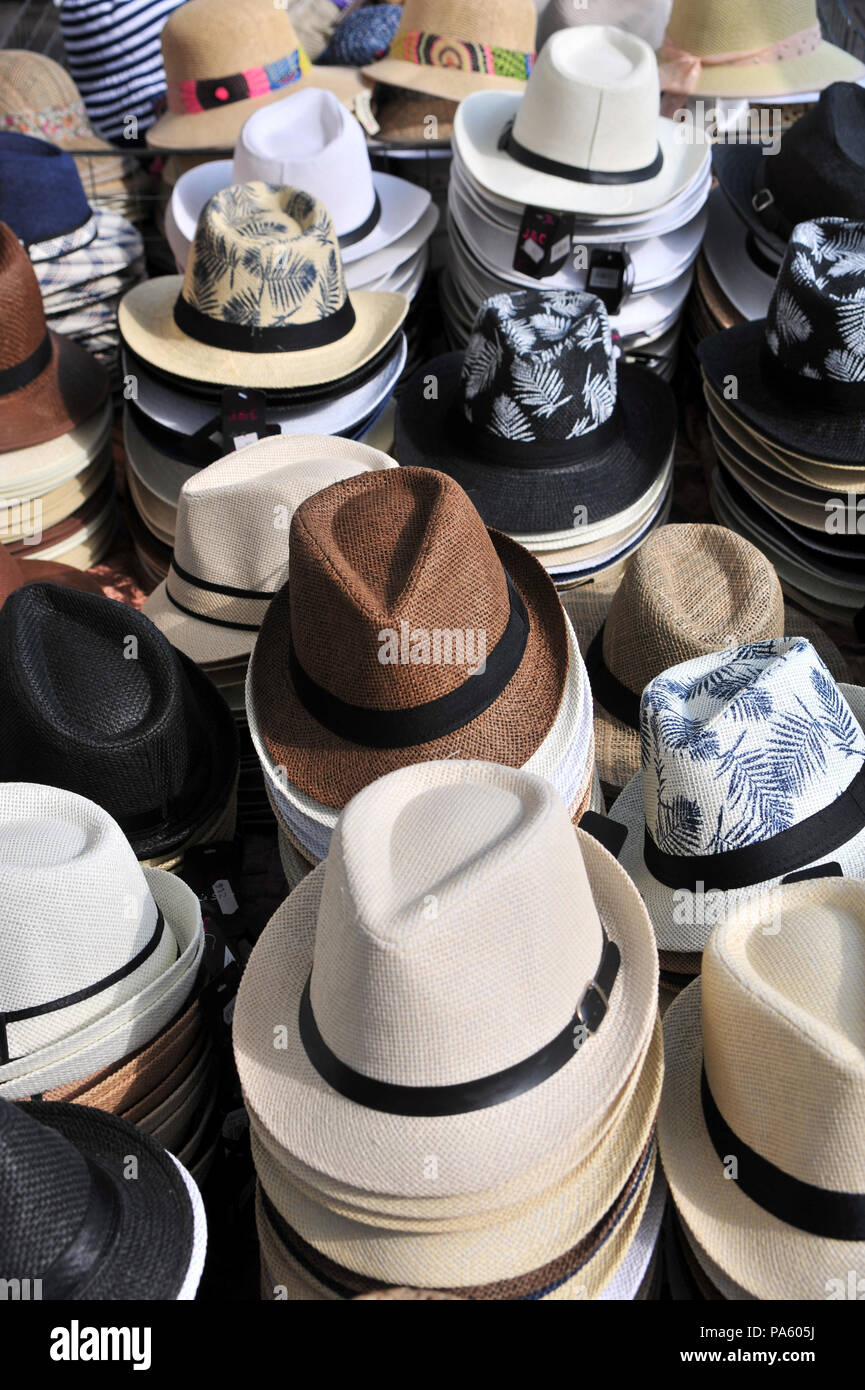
(231, 545)
(90, 936)
(225, 58)
(408, 1035)
(753, 770)
(740, 49)
(607, 152)
(263, 301)
(766, 1065)
(688, 591)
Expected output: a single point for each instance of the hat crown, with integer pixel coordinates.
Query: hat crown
(646, 18)
(456, 931)
(737, 26)
(76, 908)
(264, 257)
(24, 326)
(507, 24)
(44, 1192)
(34, 82)
(743, 744)
(310, 141)
(41, 194)
(815, 323)
(603, 85)
(387, 560)
(539, 366)
(784, 1030)
(820, 165)
(206, 39)
(689, 591)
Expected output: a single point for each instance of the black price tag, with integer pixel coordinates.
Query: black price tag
(244, 417)
(607, 278)
(543, 243)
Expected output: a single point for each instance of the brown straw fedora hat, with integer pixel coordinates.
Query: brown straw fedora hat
(225, 58)
(15, 573)
(378, 563)
(451, 48)
(688, 591)
(48, 384)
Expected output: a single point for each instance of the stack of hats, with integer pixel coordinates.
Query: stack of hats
(85, 258)
(764, 1065)
(558, 444)
(469, 1064)
(100, 974)
(787, 418)
(752, 773)
(97, 701)
(260, 336)
(231, 556)
(408, 632)
(310, 141)
(605, 197)
(73, 1226)
(56, 476)
(38, 97)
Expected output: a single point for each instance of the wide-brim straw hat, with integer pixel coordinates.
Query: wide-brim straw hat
(35, 469)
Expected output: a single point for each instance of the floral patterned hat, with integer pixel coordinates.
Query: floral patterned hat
(797, 377)
(753, 774)
(536, 419)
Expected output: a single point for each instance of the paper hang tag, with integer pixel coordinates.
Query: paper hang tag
(364, 113)
(543, 242)
(607, 277)
(244, 417)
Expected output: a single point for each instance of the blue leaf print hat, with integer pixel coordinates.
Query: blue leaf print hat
(753, 769)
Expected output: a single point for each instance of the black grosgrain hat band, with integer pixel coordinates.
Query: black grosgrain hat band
(540, 162)
(406, 728)
(68, 1275)
(617, 699)
(22, 373)
(817, 1210)
(837, 397)
(537, 453)
(466, 1096)
(242, 337)
(792, 849)
(359, 233)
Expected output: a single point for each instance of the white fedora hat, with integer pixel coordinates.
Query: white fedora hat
(407, 1034)
(608, 151)
(231, 545)
(765, 1066)
(753, 769)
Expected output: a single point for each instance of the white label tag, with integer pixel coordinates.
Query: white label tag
(363, 112)
(532, 250)
(561, 248)
(241, 440)
(224, 895)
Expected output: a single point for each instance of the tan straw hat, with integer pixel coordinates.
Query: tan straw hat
(688, 591)
(223, 60)
(762, 1125)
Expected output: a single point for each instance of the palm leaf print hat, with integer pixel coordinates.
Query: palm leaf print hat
(263, 302)
(537, 417)
(753, 773)
(798, 376)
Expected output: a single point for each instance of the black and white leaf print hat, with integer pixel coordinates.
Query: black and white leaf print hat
(537, 418)
(798, 376)
(753, 769)
(263, 302)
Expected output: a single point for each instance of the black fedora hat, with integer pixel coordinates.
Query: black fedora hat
(75, 1226)
(818, 171)
(94, 699)
(536, 418)
(799, 373)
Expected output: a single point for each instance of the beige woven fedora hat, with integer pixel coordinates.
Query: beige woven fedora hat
(688, 591)
(352, 943)
(225, 58)
(766, 1065)
(263, 301)
(739, 49)
(231, 547)
(451, 48)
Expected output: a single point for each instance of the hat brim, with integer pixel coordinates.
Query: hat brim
(70, 389)
(810, 73)
(478, 126)
(539, 500)
(218, 128)
(39, 468)
(764, 1255)
(748, 287)
(50, 572)
(378, 1152)
(735, 167)
(449, 83)
(146, 322)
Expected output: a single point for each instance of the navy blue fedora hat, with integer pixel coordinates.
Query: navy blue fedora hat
(41, 194)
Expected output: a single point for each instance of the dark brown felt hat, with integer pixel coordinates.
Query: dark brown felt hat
(403, 551)
(48, 384)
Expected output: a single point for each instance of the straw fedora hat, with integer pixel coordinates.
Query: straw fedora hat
(482, 1098)
(753, 764)
(607, 153)
(765, 1064)
(232, 543)
(36, 469)
(742, 50)
(451, 48)
(687, 592)
(263, 301)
